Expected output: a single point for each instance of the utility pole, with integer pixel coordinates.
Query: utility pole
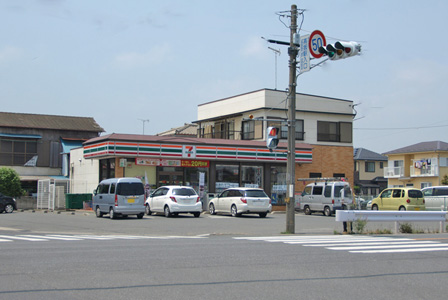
(144, 121)
(291, 162)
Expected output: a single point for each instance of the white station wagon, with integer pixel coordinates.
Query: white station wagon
(238, 201)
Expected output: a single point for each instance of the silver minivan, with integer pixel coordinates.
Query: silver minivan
(325, 197)
(436, 197)
(119, 197)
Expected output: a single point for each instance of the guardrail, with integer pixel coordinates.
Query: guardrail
(392, 216)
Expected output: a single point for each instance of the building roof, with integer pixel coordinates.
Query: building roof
(364, 154)
(21, 120)
(185, 140)
(433, 146)
(187, 129)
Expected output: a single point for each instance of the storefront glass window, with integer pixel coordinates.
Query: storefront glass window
(252, 176)
(278, 185)
(193, 179)
(227, 176)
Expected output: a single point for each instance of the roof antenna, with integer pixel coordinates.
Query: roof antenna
(277, 53)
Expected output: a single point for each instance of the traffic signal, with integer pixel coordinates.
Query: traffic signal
(341, 50)
(272, 138)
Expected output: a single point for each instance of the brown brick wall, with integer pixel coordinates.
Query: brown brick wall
(327, 160)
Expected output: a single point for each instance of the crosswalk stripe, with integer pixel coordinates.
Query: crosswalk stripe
(357, 244)
(23, 238)
(400, 250)
(52, 237)
(79, 237)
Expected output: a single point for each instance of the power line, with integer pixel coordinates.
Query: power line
(401, 128)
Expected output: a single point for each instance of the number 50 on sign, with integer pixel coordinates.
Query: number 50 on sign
(317, 39)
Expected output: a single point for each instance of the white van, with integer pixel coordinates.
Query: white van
(325, 197)
(119, 197)
(436, 197)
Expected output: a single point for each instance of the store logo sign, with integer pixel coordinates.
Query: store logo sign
(188, 151)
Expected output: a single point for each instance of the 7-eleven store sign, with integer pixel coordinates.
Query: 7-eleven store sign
(188, 151)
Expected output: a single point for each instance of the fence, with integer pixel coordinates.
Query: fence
(51, 193)
(392, 216)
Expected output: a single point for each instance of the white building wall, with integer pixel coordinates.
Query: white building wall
(84, 173)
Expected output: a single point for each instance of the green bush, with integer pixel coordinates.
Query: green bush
(406, 228)
(10, 183)
(360, 225)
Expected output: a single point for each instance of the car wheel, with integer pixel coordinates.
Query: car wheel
(402, 208)
(374, 207)
(140, 215)
(307, 210)
(263, 215)
(9, 208)
(112, 213)
(148, 210)
(327, 211)
(196, 214)
(211, 209)
(234, 211)
(167, 211)
(98, 212)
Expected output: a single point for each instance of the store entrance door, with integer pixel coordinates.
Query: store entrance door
(170, 178)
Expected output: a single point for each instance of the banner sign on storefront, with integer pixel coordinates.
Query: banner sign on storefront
(172, 163)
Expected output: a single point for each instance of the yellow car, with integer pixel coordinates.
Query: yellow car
(400, 198)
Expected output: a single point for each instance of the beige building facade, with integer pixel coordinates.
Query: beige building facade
(419, 165)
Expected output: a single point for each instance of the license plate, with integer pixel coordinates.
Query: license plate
(417, 208)
(131, 200)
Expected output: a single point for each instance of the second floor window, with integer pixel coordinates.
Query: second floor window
(17, 152)
(334, 132)
(252, 130)
(370, 166)
(299, 134)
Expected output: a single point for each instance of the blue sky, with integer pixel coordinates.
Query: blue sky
(121, 62)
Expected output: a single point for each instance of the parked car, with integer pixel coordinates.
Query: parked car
(399, 198)
(7, 204)
(173, 200)
(238, 201)
(119, 197)
(325, 197)
(436, 197)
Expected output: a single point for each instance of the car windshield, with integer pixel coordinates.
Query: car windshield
(255, 193)
(415, 194)
(184, 192)
(130, 188)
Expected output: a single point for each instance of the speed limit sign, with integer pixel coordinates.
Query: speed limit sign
(317, 39)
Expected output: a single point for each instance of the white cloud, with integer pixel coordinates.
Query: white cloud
(257, 47)
(156, 55)
(420, 73)
(9, 53)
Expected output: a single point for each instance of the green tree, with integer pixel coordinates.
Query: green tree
(10, 183)
(445, 180)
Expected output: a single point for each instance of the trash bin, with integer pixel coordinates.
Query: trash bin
(76, 201)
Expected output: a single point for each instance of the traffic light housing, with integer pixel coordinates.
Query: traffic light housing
(340, 50)
(272, 138)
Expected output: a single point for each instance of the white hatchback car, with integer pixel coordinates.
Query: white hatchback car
(238, 201)
(173, 200)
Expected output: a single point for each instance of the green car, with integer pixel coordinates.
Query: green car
(399, 198)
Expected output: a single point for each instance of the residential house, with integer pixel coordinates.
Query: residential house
(324, 123)
(419, 165)
(38, 146)
(369, 172)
